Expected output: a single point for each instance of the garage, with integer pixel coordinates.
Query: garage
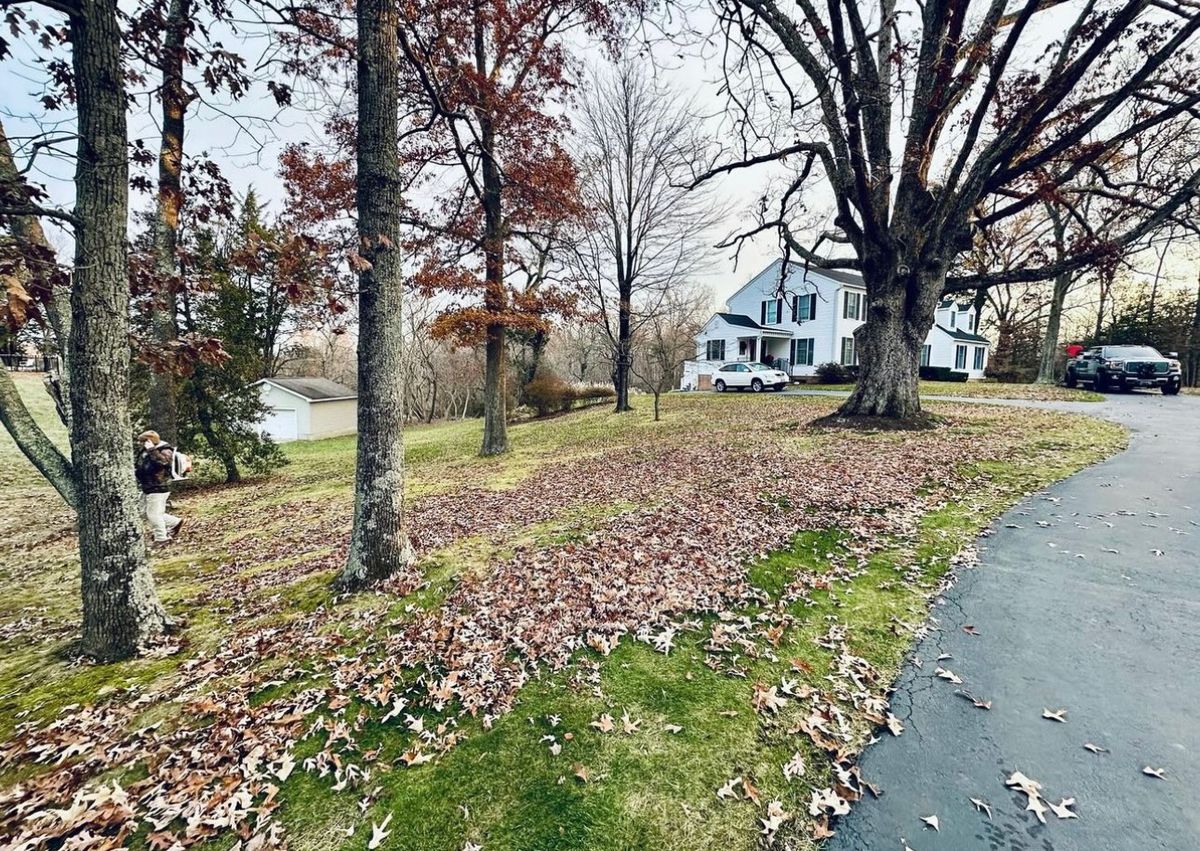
(303, 408)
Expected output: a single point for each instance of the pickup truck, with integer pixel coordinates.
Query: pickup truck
(1124, 368)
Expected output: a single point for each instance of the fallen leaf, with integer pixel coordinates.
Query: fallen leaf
(581, 771)
(672, 728)
(1094, 748)
(726, 791)
(379, 832)
(1061, 808)
(970, 630)
(982, 806)
(932, 821)
(750, 791)
(950, 676)
(604, 723)
(1154, 772)
(1058, 715)
(794, 767)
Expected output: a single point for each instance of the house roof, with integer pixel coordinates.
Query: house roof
(740, 320)
(313, 389)
(965, 336)
(838, 275)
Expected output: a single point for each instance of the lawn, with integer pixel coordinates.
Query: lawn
(604, 629)
(989, 390)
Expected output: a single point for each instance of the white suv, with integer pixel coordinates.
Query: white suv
(756, 376)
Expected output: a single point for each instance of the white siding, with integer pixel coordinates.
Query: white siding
(313, 420)
(829, 326)
(825, 329)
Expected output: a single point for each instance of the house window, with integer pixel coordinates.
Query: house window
(970, 321)
(926, 354)
(979, 357)
(960, 357)
(802, 352)
(771, 312)
(848, 353)
(804, 307)
(953, 319)
(715, 350)
(852, 309)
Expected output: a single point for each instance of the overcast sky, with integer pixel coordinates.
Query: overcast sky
(247, 137)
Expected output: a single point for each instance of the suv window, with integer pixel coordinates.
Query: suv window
(730, 368)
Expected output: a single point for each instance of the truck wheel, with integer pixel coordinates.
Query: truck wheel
(1100, 385)
(1171, 388)
(720, 385)
(1071, 379)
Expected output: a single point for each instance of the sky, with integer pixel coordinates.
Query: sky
(247, 137)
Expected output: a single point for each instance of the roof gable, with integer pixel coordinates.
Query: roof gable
(797, 273)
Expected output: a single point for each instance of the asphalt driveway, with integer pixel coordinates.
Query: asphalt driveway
(1087, 598)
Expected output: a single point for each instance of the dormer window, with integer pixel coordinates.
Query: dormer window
(953, 319)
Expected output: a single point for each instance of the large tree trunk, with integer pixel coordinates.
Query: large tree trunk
(624, 351)
(378, 544)
(1048, 365)
(495, 415)
(164, 390)
(900, 312)
(120, 607)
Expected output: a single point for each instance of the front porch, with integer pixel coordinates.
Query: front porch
(767, 346)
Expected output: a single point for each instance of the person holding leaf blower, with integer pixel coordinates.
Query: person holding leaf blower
(158, 464)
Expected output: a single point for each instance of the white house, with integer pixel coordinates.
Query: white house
(307, 408)
(814, 322)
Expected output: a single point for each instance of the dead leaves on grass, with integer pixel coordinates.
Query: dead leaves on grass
(682, 550)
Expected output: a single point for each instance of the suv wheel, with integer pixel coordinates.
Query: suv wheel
(720, 385)
(1171, 388)
(756, 385)
(1100, 385)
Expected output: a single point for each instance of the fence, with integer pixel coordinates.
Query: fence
(26, 363)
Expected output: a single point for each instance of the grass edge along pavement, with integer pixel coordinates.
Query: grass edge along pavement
(654, 787)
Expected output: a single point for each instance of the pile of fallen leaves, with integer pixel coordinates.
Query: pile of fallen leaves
(703, 512)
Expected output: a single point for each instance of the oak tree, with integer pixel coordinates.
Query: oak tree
(916, 115)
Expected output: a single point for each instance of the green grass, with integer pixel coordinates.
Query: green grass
(989, 390)
(649, 790)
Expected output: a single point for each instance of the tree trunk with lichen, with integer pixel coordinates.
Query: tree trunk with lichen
(378, 543)
(121, 610)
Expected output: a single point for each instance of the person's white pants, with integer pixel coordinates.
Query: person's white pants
(154, 509)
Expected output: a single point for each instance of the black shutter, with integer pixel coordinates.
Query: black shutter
(778, 311)
(795, 308)
(812, 306)
(762, 319)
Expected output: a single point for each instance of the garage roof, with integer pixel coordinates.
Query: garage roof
(313, 389)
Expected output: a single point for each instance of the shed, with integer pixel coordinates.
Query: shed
(307, 408)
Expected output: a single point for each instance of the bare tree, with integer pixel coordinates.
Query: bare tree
(918, 114)
(667, 338)
(378, 543)
(647, 232)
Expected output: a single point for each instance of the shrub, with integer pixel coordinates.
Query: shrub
(548, 393)
(833, 373)
(940, 373)
(593, 394)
